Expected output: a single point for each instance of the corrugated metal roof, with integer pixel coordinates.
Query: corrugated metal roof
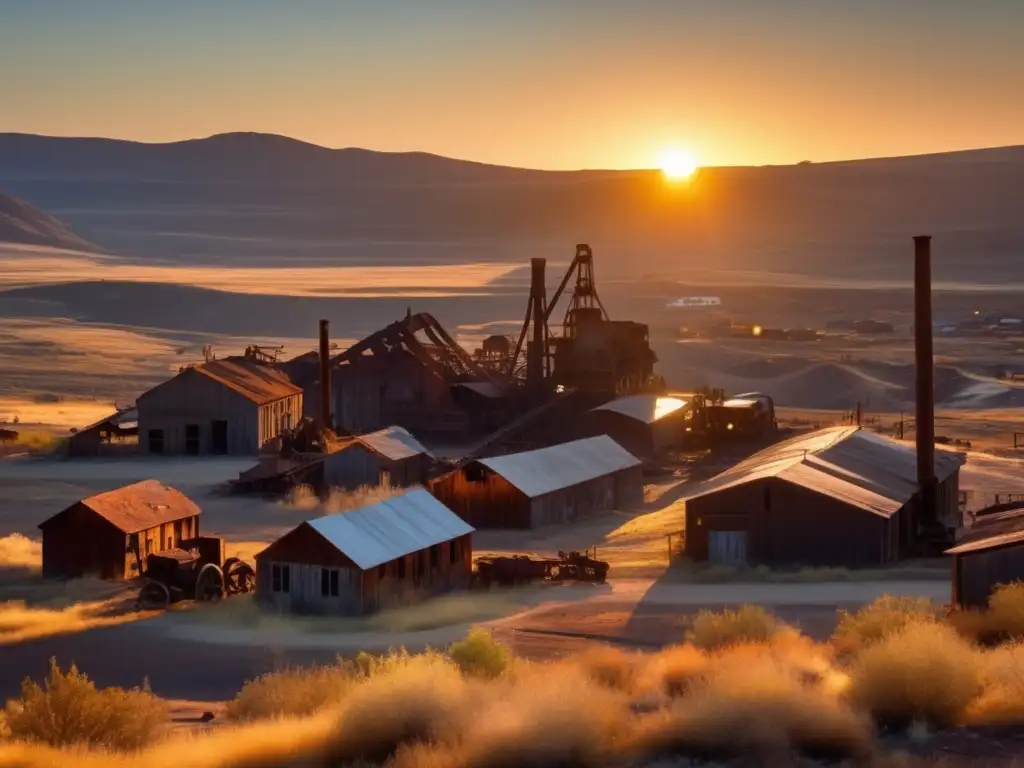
(140, 506)
(259, 383)
(858, 466)
(392, 528)
(644, 408)
(988, 542)
(536, 473)
(394, 443)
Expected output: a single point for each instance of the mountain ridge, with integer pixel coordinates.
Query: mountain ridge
(23, 224)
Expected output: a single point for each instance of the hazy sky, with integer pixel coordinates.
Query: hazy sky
(540, 83)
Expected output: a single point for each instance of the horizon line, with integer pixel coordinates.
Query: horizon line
(426, 153)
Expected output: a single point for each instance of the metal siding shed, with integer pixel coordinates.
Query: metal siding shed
(394, 443)
(543, 471)
(390, 529)
(644, 408)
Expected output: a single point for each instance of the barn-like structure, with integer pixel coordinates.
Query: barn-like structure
(389, 456)
(841, 496)
(233, 406)
(989, 553)
(551, 485)
(394, 552)
(644, 424)
(111, 534)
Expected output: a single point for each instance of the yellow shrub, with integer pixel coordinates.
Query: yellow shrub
(748, 624)
(480, 654)
(879, 619)
(70, 710)
(923, 672)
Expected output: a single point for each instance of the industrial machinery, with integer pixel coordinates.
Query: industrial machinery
(197, 570)
(593, 353)
(522, 569)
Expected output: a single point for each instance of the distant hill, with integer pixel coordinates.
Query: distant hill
(271, 196)
(22, 224)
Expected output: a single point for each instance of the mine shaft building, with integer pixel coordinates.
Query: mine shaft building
(233, 406)
(989, 553)
(841, 496)
(107, 535)
(391, 553)
(389, 456)
(558, 484)
(644, 424)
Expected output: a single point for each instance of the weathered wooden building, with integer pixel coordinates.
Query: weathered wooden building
(389, 456)
(233, 406)
(841, 496)
(111, 534)
(552, 485)
(644, 424)
(394, 552)
(114, 435)
(987, 554)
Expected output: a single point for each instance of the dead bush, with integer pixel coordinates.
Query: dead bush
(611, 667)
(419, 702)
(752, 704)
(922, 672)
(70, 710)
(748, 624)
(1002, 700)
(672, 671)
(879, 619)
(290, 693)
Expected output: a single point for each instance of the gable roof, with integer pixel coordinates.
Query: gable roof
(536, 473)
(394, 443)
(261, 384)
(390, 529)
(138, 507)
(851, 464)
(644, 408)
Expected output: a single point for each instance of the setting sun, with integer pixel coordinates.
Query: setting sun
(678, 164)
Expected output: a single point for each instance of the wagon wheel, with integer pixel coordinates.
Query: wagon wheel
(154, 596)
(210, 583)
(239, 577)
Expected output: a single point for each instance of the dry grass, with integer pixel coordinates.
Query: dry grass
(748, 624)
(38, 441)
(881, 618)
(924, 671)
(69, 710)
(756, 690)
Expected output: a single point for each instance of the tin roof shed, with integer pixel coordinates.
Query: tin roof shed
(137, 507)
(390, 529)
(543, 471)
(394, 443)
(644, 408)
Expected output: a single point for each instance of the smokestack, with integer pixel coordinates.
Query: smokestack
(924, 376)
(538, 345)
(325, 377)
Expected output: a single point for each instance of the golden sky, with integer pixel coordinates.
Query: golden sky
(556, 84)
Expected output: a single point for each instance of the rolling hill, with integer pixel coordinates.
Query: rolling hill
(254, 193)
(22, 224)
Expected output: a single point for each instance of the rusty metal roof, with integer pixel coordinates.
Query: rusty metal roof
(536, 473)
(394, 443)
(644, 408)
(259, 383)
(389, 529)
(988, 542)
(855, 465)
(138, 507)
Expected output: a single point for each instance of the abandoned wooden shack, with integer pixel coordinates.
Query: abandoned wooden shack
(644, 424)
(394, 552)
(389, 456)
(982, 562)
(557, 484)
(114, 435)
(841, 496)
(233, 406)
(111, 534)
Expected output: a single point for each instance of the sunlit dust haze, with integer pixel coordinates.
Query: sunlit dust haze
(565, 84)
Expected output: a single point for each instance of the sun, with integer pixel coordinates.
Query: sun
(678, 164)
